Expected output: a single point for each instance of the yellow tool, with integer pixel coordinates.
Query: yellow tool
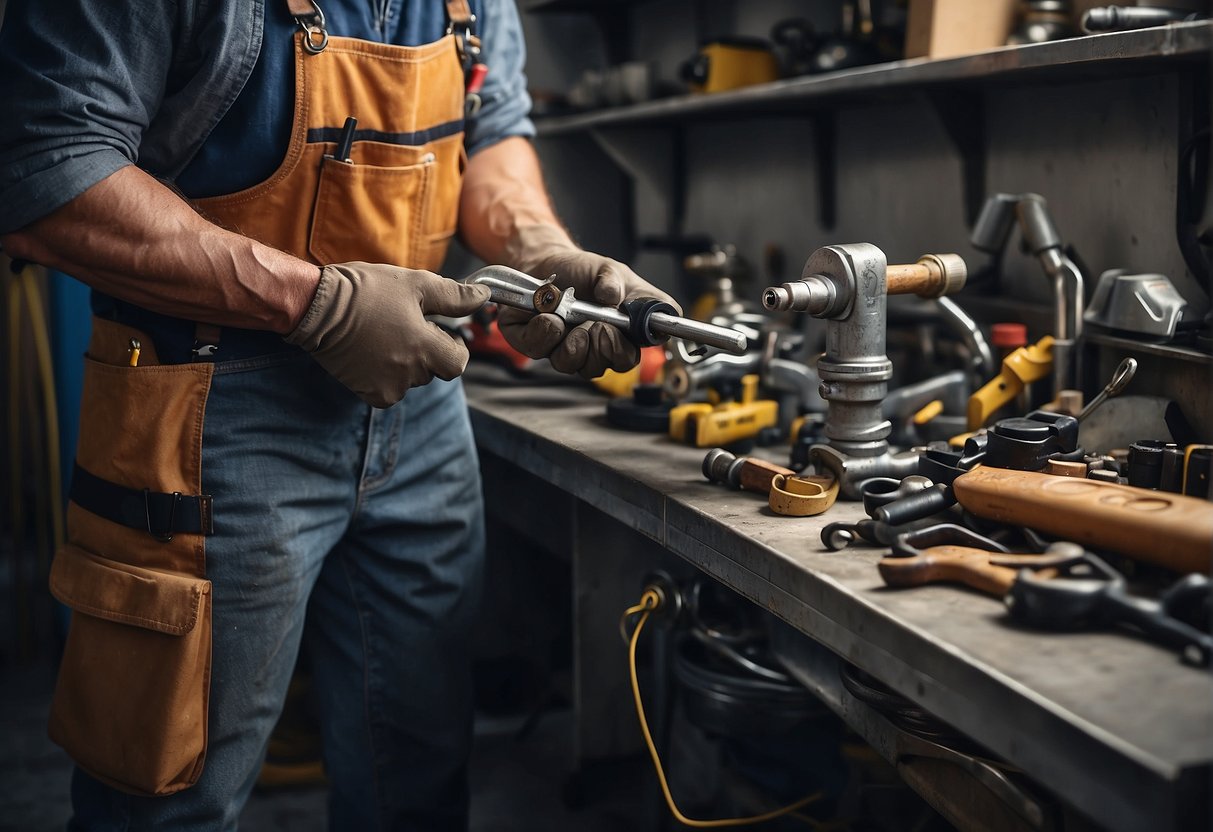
(928, 412)
(649, 370)
(712, 424)
(802, 496)
(730, 63)
(1019, 369)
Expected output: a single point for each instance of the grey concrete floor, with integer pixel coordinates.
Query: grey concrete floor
(518, 780)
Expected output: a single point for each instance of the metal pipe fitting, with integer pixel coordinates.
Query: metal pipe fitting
(848, 285)
(971, 336)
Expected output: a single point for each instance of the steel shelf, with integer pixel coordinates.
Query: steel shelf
(1089, 57)
(544, 6)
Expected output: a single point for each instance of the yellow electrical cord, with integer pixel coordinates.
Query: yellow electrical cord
(649, 601)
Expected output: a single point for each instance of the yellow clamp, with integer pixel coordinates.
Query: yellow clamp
(802, 496)
(707, 425)
(1019, 369)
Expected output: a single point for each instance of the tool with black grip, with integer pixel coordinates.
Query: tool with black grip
(1087, 592)
(645, 321)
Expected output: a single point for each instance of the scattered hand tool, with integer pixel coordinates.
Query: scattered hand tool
(1027, 443)
(645, 321)
(1019, 369)
(704, 424)
(954, 554)
(1087, 592)
(1169, 530)
(746, 473)
(1118, 18)
(840, 535)
(880, 491)
(1120, 380)
(941, 465)
(876, 529)
(802, 496)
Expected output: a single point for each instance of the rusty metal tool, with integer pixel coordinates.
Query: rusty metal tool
(646, 321)
(1087, 592)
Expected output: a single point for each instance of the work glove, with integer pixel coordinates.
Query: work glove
(591, 348)
(366, 326)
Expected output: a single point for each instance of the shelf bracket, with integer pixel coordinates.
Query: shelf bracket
(963, 114)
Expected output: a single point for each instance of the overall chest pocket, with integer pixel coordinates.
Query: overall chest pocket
(367, 210)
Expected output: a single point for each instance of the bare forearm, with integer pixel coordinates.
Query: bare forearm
(502, 191)
(131, 237)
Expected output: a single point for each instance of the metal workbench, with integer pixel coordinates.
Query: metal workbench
(1116, 727)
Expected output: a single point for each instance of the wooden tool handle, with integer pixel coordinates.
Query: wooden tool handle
(933, 276)
(756, 474)
(1161, 528)
(949, 564)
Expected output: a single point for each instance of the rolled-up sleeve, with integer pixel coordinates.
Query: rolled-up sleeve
(83, 79)
(506, 105)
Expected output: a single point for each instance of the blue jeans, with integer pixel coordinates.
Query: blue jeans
(367, 526)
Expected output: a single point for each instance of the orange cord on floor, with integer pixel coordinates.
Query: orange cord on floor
(649, 602)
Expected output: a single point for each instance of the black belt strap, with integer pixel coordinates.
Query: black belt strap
(159, 514)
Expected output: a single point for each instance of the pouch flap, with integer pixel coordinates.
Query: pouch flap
(126, 594)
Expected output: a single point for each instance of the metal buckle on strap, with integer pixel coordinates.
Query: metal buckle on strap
(167, 535)
(466, 42)
(315, 35)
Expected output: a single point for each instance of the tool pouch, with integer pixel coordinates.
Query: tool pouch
(130, 705)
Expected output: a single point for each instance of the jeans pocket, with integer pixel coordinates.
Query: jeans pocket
(130, 704)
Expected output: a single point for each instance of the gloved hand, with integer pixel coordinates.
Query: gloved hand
(366, 326)
(591, 348)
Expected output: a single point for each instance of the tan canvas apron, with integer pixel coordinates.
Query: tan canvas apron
(130, 705)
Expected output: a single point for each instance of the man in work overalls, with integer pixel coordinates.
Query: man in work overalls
(257, 191)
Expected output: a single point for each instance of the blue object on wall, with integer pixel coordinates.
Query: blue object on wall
(71, 325)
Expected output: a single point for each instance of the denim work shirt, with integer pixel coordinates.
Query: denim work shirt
(92, 86)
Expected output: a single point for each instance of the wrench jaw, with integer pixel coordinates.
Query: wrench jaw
(853, 471)
(551, 299)
(508, 287)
